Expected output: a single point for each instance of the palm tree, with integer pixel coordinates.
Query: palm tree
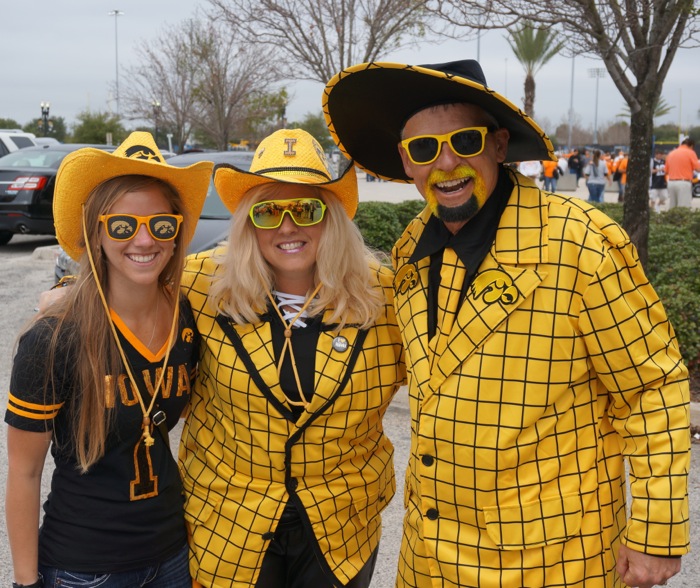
(661, 108)
(533, 47)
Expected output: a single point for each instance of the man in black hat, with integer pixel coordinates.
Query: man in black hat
(539, 356)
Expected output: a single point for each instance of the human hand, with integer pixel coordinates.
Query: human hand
(48, 297)
(641, 570)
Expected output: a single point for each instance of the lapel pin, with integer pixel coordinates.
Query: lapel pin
(340, 344)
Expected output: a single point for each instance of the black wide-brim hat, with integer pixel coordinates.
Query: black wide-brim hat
(367, 105)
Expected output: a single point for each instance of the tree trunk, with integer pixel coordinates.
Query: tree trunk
(636, 212)
(529, 99)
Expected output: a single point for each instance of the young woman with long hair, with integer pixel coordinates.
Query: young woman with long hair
(285, 463)
(102, 375)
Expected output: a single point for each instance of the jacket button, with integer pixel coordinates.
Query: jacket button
(432, 514)
(293, 484)
(427, 460)
(269, 536)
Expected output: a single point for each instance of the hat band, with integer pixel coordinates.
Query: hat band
(307, 170)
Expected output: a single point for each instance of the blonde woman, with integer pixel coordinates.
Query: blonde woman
(285, 463)
(102, 375)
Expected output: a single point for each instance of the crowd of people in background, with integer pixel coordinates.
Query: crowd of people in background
(670, 185)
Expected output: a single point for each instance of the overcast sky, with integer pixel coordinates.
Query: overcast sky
(63, 52)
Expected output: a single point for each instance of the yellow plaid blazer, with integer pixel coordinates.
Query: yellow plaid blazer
(560, 362)
(241, 459)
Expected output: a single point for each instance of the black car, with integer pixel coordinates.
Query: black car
(27, 179)
(213, 224)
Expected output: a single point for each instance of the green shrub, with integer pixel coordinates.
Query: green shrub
(380, 224)
(674, 271)
(408, 210)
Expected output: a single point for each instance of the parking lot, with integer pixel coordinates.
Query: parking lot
(27, 270)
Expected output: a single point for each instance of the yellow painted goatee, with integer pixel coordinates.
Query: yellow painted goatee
(436, 176)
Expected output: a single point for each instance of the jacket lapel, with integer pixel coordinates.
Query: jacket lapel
(332, 362)
(410, 300)
(506, 278)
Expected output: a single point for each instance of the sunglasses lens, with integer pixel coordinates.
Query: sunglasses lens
(266, 215)
(163, 227)
(466, 143)
(121, 227)
(304, 212)
(423, 149)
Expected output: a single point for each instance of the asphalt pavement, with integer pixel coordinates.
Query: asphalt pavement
(27, 270)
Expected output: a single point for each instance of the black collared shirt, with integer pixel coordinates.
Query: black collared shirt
(471, 244)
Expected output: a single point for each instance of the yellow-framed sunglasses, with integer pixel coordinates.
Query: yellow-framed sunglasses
(305, 212)
(123, 227)
(466, 142)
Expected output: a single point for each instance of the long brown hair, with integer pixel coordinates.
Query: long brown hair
(82, 325)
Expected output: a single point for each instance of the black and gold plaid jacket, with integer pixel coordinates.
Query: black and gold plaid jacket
(560, 361)
(243, 457)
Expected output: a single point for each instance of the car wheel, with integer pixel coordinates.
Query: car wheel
(696, 190)
(5, 237)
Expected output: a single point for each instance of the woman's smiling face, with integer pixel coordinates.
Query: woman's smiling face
(291, 250)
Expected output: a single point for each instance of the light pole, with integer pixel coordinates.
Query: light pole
(45, 117)
(156, 112)
(571, 106)
(597, 73)
(116, 14)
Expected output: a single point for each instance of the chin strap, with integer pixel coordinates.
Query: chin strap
(288, 339)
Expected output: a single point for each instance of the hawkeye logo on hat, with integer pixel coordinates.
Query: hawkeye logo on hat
(142, 152)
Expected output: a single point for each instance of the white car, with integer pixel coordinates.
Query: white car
(15, 139)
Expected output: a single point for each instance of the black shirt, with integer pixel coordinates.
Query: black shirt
(126, 512)
(471, 243)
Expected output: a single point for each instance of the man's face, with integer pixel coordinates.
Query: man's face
(455, 187)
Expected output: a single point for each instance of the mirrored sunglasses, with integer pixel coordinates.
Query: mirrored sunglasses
(123, 227)
(467, 142)
(303, 211)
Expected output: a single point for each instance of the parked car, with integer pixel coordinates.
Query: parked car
(213, 224)
(13, 139)
(27, 178)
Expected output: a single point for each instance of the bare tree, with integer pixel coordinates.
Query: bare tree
(319, 38)
(637, 41)
(167, 73)
(203, 78)
(233, 74)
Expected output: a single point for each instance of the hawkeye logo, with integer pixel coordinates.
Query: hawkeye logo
(121, 227)
(406, 279)
(142, 152)
(494, 286)
(187, 335)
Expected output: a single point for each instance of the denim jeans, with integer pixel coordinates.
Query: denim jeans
(172, 573)
(550, 184)
(595, 192)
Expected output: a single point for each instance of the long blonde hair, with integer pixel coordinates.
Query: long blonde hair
(343, 266)
(82, 325)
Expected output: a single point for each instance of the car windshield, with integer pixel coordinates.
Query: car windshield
(33, 158)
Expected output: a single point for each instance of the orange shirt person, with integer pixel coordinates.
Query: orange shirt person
(680, 165)
(551, 172)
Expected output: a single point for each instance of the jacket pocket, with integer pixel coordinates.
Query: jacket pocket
(199, 505)
(368, 506)
(534, 524)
